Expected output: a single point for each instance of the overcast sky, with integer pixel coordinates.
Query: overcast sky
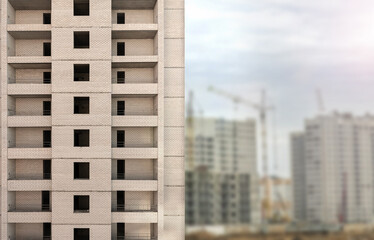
(289, 48)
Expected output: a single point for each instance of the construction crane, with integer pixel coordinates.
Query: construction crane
(262, 109)
(190, 136)
(190, 128)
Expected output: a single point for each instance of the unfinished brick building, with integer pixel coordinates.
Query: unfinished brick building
(92, 124)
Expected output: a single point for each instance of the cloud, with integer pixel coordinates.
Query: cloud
(289, 47)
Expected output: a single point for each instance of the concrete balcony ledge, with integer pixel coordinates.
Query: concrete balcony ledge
(29, 59)
(134, 31)
(30, 31)
(134, 121)
(29, 185)
(136, 88)
(29, 27)
(134, 185)
(134, 217)
(139, 153)
(29, 217)
(29, 89)
(134, 61)
(29, 153)
(29, 121)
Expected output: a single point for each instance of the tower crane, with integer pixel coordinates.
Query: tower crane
(190, 128)
(190, 132)
(262, 109)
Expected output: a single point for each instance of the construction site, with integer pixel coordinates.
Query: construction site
(223, 186)
(365, 235)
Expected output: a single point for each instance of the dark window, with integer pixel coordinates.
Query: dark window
(120, 138)
(47, 231)
(81, 7)
(120, 201)
(46, 169)
(46, 77)
(81, 39)
(120, 169)
(120, 18)
(81, 138)
(81, 203)
(46, 18)
(81, 105)
(81, 234)
(120, 108)
(121, 77)
(46, 108)
(120, 49)
(47, 138)
(81, 72)
(120, 230)
(82, 170)
(47, 49)
(45, 201)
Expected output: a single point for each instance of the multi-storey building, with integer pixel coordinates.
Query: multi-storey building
(92, 124)
(222, 185)
(298, 176)
(333, 169)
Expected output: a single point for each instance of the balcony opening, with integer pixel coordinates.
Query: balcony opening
(81, 203)
(81, 72)
(47, 231)
(82, 170)
(47, 49)
(120, 169)
(46, 169)
(120, 49)
(81, 7)
(45, 201)
(121, 139)
(120, 18)
(81, 105)
(81, 234)
(81, 138)
(120, 231)
(120, 201)
(81, 39)
(46, 108)
(46, 18)
(47, 139)
(121, 77)
(120, 108)
(46, 77)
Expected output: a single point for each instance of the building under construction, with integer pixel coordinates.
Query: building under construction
(222, 185)
(333, 170)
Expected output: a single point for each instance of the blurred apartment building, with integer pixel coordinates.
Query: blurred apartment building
(280, 198)
(333, 170)
(92, 100)
(221, 177)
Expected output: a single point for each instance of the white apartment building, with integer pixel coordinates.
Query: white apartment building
(333, 169)
(92, 120)
(223, 186)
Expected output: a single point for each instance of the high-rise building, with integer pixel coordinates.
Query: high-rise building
(222, 182)
(333, 169)
(92, 124)
(298, 176)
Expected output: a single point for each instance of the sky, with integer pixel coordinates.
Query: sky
(289, 48)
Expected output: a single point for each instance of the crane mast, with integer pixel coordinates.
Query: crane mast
(262, 109)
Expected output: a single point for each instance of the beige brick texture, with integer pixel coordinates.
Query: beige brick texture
(153, 92)
(63, 208)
